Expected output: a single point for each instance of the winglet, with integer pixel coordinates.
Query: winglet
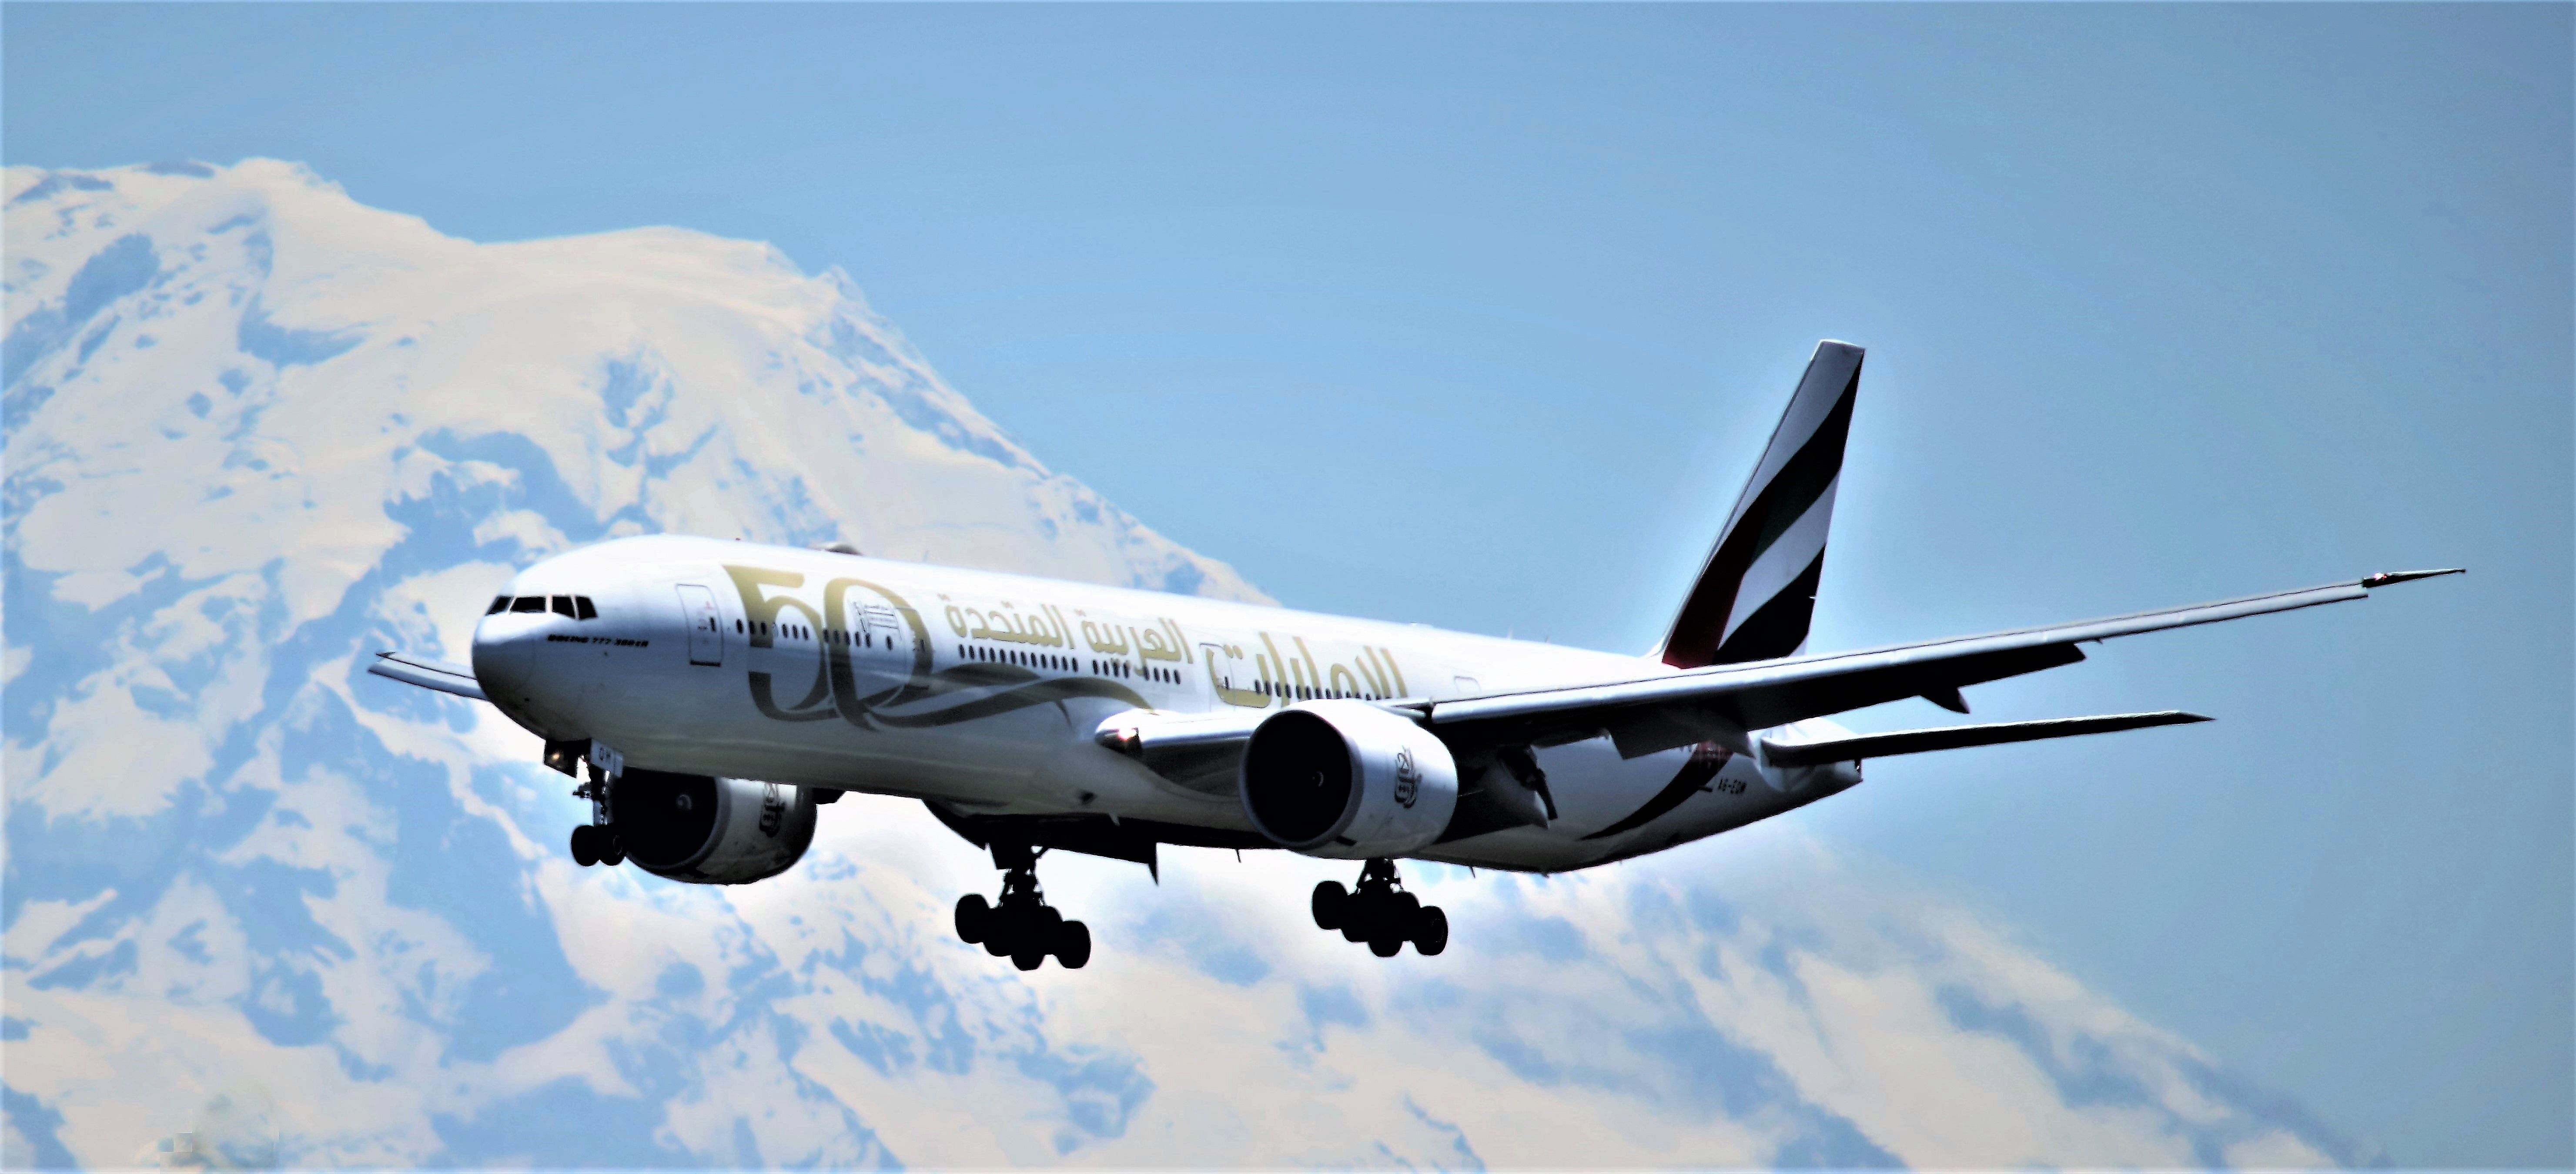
(2387, 578)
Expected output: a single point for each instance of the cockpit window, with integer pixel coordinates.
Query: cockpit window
(563, 606)
(529, 603)
(583, 609)
(500, 603)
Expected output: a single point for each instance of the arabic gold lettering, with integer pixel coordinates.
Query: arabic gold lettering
(1106, 640)
(1223, 680)
(1277, 661)
(1315, 674)
(1376, 677)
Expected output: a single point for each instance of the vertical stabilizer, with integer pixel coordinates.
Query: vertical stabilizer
(1758, 589)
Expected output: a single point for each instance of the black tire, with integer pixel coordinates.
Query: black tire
(1360, 914)
(611, 853)
(1401, 908)
(974, 917)
(1073, 944)
(1430, 931)
(1385, 946)
(585, 849)
(1028, 959)
(1330, 903)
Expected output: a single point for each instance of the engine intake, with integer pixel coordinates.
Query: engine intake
(1347, 780)
(711, 831)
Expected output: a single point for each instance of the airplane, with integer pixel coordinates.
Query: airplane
(718, 692)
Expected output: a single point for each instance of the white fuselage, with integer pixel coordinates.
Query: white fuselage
(983, 691)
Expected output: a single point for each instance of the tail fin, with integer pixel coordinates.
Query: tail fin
(1758, 589)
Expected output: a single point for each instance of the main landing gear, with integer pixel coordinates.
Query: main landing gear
(1381, 914)
(1022, 925)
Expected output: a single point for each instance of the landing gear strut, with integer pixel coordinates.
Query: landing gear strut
(1381, 914)
(1022, 925)
(594, 842)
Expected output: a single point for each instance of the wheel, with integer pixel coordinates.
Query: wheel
(1385, 946)
(1359, 916)
(1401, 907)
(1430, 931)
(997, 937)
(974, 916)
(1044, 922)
(1073, 945)
(585, 847)
(1028, 959)
(1330, 903)
(611, 853)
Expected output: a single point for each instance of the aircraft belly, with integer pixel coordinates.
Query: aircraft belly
(1611, 809)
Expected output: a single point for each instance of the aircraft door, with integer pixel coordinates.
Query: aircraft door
(706, 625)
(1230, 677)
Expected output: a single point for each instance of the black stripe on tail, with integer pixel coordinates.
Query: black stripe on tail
(1734, 614)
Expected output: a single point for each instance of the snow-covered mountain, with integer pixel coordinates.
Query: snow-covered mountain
(266, 908)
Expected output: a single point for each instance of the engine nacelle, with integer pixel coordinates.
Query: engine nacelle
(1347, 780)
(711, 831)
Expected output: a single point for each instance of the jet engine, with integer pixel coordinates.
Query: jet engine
(710, 831)
(1347, 780)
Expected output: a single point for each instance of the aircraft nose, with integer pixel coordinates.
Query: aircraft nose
(505, 653)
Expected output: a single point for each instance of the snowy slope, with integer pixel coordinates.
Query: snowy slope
(298, 400)
(255, 430)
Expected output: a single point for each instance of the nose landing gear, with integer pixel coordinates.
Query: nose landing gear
(593, 844)
(1022, 926)
(1379, 913)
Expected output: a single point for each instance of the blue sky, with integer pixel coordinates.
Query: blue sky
(1476, 316)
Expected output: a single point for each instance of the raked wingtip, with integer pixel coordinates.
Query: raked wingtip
(2387, 578)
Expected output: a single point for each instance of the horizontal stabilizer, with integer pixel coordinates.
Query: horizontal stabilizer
(1648, 714)
(1959, 737)
(428, 674)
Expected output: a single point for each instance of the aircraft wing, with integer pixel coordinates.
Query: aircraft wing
(1197, 751)
(1660, 713)
(428, 674)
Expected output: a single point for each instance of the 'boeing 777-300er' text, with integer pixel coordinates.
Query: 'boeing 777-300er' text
(717, 692)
